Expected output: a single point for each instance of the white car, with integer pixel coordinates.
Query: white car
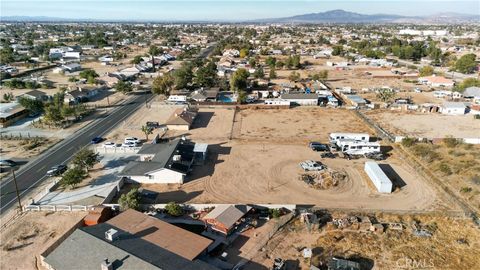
(131, 139)
(310, 165)
(129, 144)
(109, 145)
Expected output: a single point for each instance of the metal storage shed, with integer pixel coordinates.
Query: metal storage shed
(378, 177)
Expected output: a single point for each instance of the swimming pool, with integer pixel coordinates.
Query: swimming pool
(226, 97)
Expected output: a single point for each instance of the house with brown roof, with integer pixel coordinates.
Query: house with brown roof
(182, 119)
(224, 218)
(165, 235)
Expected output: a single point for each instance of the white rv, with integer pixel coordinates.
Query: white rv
(363, 137)
(353, 147)
(177, 98)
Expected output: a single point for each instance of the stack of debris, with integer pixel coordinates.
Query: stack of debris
(325, 179)
(421, 231)
(358, 223)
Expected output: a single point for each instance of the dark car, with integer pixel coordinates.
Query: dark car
(96, 140)
(319, 147)
(57, 170)
(152, 124)
(327, 155)
(7, 163)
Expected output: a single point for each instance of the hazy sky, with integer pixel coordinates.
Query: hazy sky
(161, 10)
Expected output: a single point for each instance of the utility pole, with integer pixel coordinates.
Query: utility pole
(16, 190)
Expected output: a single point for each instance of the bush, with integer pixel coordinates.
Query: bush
(425, 152)
(275, 213)
(465, 189)
(451, 142)
(129, 200)
(407, 141)
(174, 209)
(444, 168)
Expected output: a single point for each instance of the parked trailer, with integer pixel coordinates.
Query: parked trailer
(334, 137)
(353, 147)
(378, 177)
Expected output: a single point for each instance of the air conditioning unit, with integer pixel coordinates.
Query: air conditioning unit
(177, 157)
(111, 235)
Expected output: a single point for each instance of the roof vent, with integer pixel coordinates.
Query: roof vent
(111, 235)
(106, 265)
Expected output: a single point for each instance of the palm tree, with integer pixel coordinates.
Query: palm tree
(154, 50)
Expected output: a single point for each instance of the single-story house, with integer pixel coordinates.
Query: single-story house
(356, 100)
(131, 240)
(223, 218)
(302, 99)
(436, 81)
(80, 94)
(35, 95)
(10, 113)
(182, 119)
(453, 108)
(209, 94)
(161, 163)
(72, 67)
(109, 80)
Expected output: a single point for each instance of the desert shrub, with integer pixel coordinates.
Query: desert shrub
(465, 189)
(407, 141)
(444, 168)
(456, 153)
(451, 142)
(425, 151)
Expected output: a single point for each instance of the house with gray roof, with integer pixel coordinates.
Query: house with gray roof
(106, 246)
(161, 163)
(303, 99)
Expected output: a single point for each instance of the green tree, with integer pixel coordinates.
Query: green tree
(385, 94)
(337, 50)
(244, 52)
(147, 131)
(238, 81)
(273, 74)
(426, 71)
(259, 73)
(174, 209)
(466, 64)
(8, 97)
(271, 61)
(123, 87)
(33, 105)
(162, 84)
(87, 73)
(6, 55)
(252, 62)
(183, 76)
(72, 177)
(468, 82)
(85, 159)
(130, 200)
(207, 75)
(137, 59)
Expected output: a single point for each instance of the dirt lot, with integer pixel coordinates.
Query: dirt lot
(298, 125)
(31, 234)
(385, 251)
(427, 125)
(272, 176)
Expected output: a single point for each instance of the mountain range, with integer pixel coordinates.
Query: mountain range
(337, 16)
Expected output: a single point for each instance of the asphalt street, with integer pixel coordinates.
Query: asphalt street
(33, 174)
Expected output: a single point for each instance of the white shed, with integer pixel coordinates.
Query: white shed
(454, 108)
(378, 177)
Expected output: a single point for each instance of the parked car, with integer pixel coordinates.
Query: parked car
(109, 145)
(375, 156)
(7, 163)
(153, 124)
(310, 165)
(131, 140)
(327, 155)
(129, 144)
(320, 147)
(96, 140)
(57, 170)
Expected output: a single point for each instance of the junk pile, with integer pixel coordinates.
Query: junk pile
(325, 179)
(357, 223)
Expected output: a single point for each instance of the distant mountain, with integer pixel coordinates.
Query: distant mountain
(342, 16)
(33, 19)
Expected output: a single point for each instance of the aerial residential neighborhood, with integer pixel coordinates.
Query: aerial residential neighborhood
(170, 140)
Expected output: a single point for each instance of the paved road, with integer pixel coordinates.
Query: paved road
(33, 174)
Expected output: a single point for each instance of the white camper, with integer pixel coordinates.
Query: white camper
(334, 137)
(177, 98)
(353, 147)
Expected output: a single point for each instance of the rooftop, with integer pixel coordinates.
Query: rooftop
(228, 214)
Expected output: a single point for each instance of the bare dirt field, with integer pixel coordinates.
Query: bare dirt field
(298, 125)
(260, 173)
(29, 235)
(454, 245)
(427, 125)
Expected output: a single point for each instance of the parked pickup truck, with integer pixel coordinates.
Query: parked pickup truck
(310, 165)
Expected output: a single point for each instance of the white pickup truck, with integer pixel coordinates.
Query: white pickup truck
(310, 165)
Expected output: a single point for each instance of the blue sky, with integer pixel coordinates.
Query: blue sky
(231, 10)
